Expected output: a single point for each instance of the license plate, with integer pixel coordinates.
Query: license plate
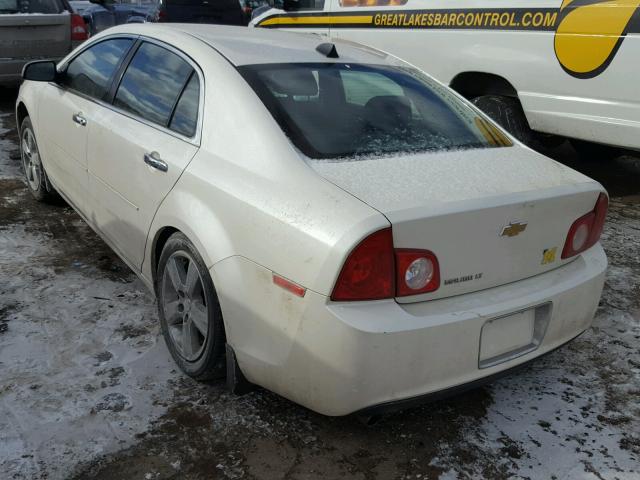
(507, 337)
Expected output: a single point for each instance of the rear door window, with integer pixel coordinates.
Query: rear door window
(92, 72)
(153, 83)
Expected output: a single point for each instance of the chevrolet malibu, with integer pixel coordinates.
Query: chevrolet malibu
(321, 219)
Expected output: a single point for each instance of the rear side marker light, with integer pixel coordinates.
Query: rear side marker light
(586, 230)
(289, 286)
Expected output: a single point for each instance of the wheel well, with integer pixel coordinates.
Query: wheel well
(473, 84)
(22, 113)
(161, 239)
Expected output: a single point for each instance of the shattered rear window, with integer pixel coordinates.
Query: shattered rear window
(336, 110)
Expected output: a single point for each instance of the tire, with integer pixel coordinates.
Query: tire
(34, 172)
(508, 113)
(593, 151)
(189, 311)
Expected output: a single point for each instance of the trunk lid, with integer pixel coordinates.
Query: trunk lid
(34, 36)
(491, 216)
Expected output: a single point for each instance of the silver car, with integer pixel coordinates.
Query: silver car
(36, 29)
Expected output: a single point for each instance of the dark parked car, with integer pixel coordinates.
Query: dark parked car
(224, 12)
(101, 14)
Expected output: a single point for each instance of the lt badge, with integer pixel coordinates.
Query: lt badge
(549, 255)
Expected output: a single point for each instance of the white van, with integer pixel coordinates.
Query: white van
(562, 67)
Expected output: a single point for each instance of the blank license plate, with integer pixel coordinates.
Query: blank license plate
(505, 335)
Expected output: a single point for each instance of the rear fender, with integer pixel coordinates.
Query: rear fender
(183, 210)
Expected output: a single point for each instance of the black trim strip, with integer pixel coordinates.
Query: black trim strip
(117, 78)
(177, 100)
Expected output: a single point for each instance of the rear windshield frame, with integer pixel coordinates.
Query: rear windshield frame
(251, 74)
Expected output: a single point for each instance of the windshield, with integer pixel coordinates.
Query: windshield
(334, 110)
(30, 6)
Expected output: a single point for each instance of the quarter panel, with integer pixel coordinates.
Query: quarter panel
(301, 229)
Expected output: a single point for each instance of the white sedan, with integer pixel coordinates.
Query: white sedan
(326, 220)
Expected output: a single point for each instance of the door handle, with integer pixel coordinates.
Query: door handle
(79, 119)
(153, 160)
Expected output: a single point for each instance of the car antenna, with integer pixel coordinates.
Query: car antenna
(328, 50)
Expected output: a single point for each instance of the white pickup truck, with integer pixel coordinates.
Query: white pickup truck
(562, 67)
(34, 30)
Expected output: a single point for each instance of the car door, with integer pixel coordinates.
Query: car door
(139, 147)
(66, 110)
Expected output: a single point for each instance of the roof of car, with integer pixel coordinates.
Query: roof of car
(246, 46)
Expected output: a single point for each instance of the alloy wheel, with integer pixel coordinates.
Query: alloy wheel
(31, 160)
(184, 305)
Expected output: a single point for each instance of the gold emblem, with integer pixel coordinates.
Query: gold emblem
(549, 255)
(513, 229)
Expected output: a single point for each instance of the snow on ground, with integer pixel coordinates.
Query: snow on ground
(9, 153)
(81, 368)
(88, 390)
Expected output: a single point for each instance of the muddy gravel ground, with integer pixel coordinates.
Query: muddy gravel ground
(88, 390)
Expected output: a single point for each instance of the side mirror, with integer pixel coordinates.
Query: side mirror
(40, 71)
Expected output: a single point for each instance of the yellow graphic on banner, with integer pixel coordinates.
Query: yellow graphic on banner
(589, 34)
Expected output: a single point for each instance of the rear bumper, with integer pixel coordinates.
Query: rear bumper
(340, 358)
(396, 405)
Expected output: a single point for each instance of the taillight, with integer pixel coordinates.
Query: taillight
(79, 32)
(585, 231)
(374, 271)
(162, 15)
(417, 271)
(368, 273)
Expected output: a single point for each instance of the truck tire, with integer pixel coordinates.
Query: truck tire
(506, 112)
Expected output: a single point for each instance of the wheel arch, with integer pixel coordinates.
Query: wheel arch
(159, 241)
(474, 84)
(183, 212)
(21, 113)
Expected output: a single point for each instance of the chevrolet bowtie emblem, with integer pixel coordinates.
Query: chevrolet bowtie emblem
(513, 229)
